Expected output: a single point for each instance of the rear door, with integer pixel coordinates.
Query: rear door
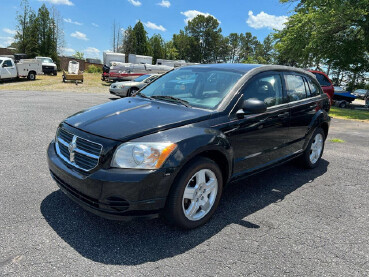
(303, 97)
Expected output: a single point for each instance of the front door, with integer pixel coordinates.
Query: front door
(8, 70)
(259, 140)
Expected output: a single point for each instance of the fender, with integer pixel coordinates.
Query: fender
(320, 117)
(191, 142)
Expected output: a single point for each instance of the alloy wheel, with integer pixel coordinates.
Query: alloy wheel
(316, 148)
(200, 194)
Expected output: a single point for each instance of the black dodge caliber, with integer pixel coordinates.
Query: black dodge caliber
(172, 148)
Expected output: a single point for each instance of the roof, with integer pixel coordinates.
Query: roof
(244, 68)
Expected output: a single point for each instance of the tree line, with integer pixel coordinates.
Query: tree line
(201, 41)
(38, 34)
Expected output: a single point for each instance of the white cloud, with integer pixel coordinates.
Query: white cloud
(6, 41)
(92, 51)
(9, 31)
(94, 24)
(154, 26)
(191, 14)
(135, 3)
(164, 3)
(79, 35)
(68, 20)
(69, 51)
(264, 20)
(58, 2)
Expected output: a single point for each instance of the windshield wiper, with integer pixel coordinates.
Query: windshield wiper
(172, 99)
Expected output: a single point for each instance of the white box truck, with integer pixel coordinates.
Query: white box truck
(28, 68)
(109, 57)
(139, 59)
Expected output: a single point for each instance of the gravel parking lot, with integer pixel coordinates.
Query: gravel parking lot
(286, 221)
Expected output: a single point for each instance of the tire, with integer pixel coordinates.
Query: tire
(192, 212)
(31, 76)
(314, 149)
(55, 73)
(343, 104)
(132, 92)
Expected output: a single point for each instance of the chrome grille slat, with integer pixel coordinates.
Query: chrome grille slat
(86, 154)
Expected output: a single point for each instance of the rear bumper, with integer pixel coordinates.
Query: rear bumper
(116, 194)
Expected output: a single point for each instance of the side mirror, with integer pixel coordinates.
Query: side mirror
(252, 106)
(4, 65)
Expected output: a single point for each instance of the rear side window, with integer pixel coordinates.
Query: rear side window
(296, 89)
(323, 81)
(313, 88)
(265, 88)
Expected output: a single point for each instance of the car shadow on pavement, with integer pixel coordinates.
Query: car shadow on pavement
(138, 242)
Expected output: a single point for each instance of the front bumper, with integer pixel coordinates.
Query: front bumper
(118, 91)
(118, 194)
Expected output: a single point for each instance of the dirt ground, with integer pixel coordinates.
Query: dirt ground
(92, 83)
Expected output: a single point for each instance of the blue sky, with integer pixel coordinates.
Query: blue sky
(88, 24)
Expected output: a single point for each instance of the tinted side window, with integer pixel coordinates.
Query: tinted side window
(296, 89)
(7, 63)
(323, 81)
(265, 88)
(313, 88)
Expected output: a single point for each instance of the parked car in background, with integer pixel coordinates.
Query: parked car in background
(48, 65)
(360, 93)
(173, 148)
(128, 88)
(342, 98)
(325, 83)
(23, 69)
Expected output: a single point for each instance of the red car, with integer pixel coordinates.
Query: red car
(325, 83)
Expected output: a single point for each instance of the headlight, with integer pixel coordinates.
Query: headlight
(142, 155)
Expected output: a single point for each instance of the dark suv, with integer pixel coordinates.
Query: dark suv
(172, 149)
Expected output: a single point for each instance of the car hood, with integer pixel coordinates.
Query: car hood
(130, 118)
(49, 64)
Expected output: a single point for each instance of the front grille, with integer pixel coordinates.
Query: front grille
(79, 152)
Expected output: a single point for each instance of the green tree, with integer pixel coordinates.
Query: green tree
(157, 47)
(234, 47)
(79, 55)
(331, 33)
(140, 34)
(22, 36)
(248, 46)
(129, 42)
(207, 35)
(171, 51)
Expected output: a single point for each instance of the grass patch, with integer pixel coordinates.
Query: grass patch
(91, 83)
(349, 114)
(337, 140)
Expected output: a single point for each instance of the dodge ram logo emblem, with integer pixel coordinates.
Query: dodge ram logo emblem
(71, 147)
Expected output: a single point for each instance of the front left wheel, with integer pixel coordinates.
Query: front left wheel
(195, 194)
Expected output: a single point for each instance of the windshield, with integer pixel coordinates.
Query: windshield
(141, 78)
(200, 87)
(46, 60)
(1, 61)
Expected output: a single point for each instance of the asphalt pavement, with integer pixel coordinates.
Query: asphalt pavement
(286, 221)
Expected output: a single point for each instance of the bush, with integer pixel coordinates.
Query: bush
(94, 69)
